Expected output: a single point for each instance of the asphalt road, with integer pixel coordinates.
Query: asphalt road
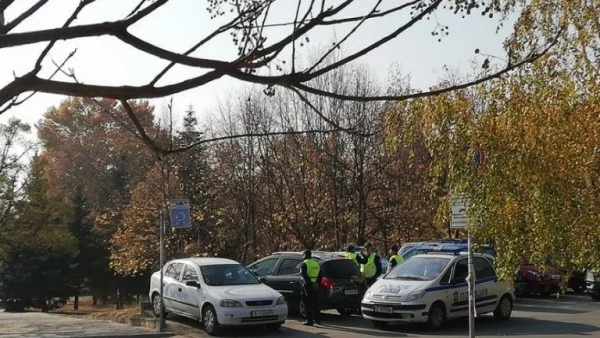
(569, 316)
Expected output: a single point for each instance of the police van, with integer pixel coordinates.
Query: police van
(431, 288)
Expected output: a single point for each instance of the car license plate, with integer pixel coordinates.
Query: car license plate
(351, 292)
(261, 313)
(383, 309)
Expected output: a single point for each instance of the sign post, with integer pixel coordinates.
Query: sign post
(161, 319)
(460, 220)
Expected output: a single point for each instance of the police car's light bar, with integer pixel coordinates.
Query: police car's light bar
(449, 253)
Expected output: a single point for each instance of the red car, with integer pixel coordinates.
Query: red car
(530, 279)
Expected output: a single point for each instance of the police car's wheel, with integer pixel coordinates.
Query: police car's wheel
(504, 308)
(211, 323)
(437, 316)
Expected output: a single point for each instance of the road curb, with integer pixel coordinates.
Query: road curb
(135, 335)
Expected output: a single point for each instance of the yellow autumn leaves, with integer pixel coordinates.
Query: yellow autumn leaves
(539, 130)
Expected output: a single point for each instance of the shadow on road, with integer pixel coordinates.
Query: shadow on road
(550, 305)
(196, 327)
(353, 324)
(487, 325)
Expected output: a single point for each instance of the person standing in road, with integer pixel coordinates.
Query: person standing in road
(395, 258)
(350, 254)
(370, 264)
(311, 277)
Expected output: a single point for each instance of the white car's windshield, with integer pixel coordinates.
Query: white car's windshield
(227, 274)
(419, 268)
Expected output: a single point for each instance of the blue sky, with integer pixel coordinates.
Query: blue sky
(181, 23)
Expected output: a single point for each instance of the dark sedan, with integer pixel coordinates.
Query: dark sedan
(342, 285)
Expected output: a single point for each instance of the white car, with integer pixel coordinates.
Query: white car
(431, 288)
(219, 292)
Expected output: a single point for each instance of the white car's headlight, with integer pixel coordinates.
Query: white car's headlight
(415, 296)
(367, 295)
(280, 301)
(230, 303)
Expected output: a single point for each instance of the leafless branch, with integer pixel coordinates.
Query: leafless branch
(59, 68)
(141, 132)
(137, 8)
(382, 41)
(510, 67)
(11, 25)
(80, 7)
(338, 44)
(256, 134)
(249, 19)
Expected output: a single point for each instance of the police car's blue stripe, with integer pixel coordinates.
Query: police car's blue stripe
(466, 308)
(460, 285)
(424, 314)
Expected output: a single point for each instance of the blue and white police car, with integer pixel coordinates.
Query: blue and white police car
(431, 288)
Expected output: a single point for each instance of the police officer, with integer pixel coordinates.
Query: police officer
(370, 264)
(310, 274)
(395, 258)
(350, 254)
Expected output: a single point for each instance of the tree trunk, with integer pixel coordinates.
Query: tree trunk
(118, 300)
(76, 301)
(94, 300)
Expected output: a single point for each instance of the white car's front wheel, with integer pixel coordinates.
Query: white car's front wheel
(210, 321)
(156, 308)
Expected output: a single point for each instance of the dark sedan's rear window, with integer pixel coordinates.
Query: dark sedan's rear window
(340, 268)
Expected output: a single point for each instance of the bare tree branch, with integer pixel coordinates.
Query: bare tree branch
(338, 44)
(382, 41)
(252, 64)
(141, 132)
(530, 59)
(11, 25)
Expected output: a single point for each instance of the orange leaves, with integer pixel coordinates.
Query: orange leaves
(134, 246)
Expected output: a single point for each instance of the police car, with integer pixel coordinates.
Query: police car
(431, 288)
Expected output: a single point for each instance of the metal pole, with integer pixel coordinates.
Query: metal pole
(471, 286)
(161, 320)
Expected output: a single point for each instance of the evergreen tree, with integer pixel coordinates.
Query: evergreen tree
(36, 266)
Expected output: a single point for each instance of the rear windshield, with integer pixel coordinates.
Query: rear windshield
(340, 268)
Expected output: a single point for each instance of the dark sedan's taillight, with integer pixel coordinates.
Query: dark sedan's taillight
(327, 283)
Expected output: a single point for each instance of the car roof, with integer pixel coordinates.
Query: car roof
(203, 261)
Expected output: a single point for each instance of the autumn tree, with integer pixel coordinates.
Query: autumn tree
(92, 156)
(536, 197)
(134, 246)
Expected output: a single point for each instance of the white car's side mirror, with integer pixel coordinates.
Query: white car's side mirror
(193, 284)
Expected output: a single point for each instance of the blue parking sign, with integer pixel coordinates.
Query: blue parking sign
(180, 213)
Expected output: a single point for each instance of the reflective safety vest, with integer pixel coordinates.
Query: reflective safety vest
(312, 269)
(352, 256)
(399, 260)
(369, 270)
